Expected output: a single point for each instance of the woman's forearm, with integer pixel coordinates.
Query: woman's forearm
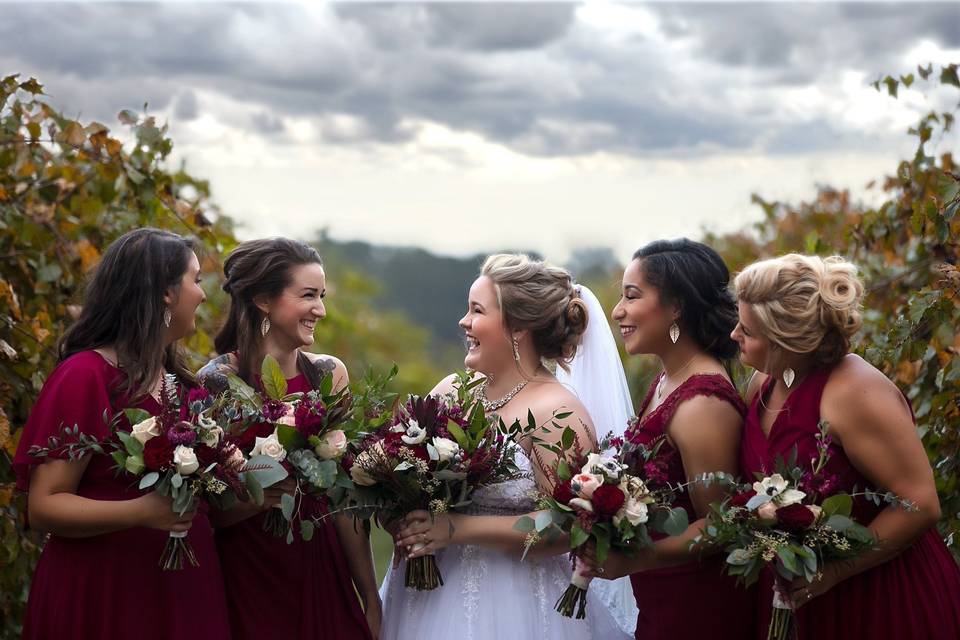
(498, 532)
(895, 529)
(71, 516)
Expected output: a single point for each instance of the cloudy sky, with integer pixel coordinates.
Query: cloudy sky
(473, 127)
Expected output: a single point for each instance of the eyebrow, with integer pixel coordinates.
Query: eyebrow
(474, 302)
(631, 286)
(310, 290)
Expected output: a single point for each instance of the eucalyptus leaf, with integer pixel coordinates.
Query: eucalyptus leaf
(306, 530)
(265, 470)
(676, 522)
(287, 505)
(149, 479)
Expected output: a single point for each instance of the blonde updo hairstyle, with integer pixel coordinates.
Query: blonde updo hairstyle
(805, 304)
(541, 298)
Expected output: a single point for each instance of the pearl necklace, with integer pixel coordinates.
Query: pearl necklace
(493, 405)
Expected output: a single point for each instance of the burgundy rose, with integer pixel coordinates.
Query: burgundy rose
(607, 500)
(158, 453)
(563, 493)
(741, 499)
(795, 518)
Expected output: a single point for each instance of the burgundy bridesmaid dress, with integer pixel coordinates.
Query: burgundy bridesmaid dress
(300, 591)
(695, 600)
(914, 595)
(111, 585)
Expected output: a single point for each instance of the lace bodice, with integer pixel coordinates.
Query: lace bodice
(516, 496)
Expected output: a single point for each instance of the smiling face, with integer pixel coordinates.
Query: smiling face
(294, 313)
(644, 321)
(183, 302)
(754, 346)
(488, 342)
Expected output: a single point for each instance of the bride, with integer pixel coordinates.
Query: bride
(521, 313)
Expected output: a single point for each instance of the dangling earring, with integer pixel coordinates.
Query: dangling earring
(788, 376)
(674, 333)
(516, 350)
(265, 326)
(167, 318)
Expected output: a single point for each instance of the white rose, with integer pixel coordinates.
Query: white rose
(634, 511)
(414, 434)
(332, 445)
(211, 436)
(185, 460)
(146, 430)
(446, 448)
(269, 446)
(358, 474)
(779, 489)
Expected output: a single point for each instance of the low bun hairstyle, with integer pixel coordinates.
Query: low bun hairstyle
(694, 277)
(541, 298)
(805, 304)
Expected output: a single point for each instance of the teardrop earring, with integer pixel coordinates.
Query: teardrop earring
(674, 333)
(789, 375)
(265, 326)
(167, 318)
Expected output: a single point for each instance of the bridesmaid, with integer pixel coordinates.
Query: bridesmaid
(677, 306)
(98, 576)
(304, 590)
(797, 316)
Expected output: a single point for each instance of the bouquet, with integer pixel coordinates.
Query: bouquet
(791, 522)
(306, 433)
(431, 455)
(179, 453)
(596, 498)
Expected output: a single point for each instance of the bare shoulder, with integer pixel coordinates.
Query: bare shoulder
(858, 395)
(705, 409)
(449, 384)
(855, 370)
(330, 365)
(552, 399)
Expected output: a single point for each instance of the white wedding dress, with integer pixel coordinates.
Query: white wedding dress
(491, 595)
